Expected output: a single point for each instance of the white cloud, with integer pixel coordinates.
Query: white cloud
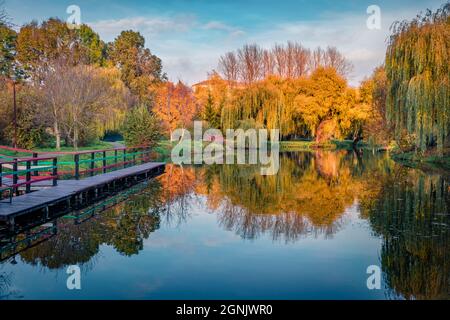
(188, 49)
(146, 25)
(233, 32)
(217, 25)
(348, 32)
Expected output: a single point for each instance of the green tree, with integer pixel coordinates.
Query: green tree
(38, 45)
(210, 113)
(141, 127)
(7, 50)
(95, 48)
(138, 65)
(417, 67)
(81, 102)
(31, 125)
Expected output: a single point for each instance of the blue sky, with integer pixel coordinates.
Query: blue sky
(190, 35)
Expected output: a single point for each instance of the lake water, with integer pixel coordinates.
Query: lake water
(226, 232)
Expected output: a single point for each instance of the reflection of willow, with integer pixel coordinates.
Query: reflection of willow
(123, 226)
(250, 226)
(308, 195)
(5, 283)
(412, 216)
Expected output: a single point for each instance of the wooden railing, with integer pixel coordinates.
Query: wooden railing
(88, 163)
(76, 164)
(24, 172)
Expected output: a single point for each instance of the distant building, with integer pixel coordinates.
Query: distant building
(208, 84)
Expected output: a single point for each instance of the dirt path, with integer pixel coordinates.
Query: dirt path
(116, 144)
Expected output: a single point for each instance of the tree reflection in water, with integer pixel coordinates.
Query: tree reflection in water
(123, 227)
(5, 283)
(413, 217)
(309, 196)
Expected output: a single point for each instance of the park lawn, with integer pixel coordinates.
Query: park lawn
(99, 145)
(66, 161)
(95, 146)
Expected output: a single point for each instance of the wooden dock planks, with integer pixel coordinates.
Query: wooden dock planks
(66, 189)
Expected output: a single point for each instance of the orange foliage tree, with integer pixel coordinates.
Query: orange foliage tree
(175, 105)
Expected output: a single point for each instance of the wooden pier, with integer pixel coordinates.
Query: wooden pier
(71, 193)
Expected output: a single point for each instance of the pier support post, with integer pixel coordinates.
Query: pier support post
(11, 224)
(47, 213)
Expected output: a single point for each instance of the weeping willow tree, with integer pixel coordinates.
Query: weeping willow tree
(260, 102)
(417, 66)
(297, 107)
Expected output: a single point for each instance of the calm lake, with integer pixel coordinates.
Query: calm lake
(226, 232)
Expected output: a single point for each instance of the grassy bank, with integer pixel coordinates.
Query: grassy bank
(411, 159)
(100, 145)
(304, 145)
(164, 147)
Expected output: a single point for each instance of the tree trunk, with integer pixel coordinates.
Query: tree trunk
(325, 131)
(57, 135)
(356, 137)
(355, 141)
(75, 137)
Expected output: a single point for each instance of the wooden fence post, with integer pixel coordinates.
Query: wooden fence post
(92, 163)
(104, 162)
(55, 171)
(28, 178)
(35, 163)
(15, 177)
(77, 166)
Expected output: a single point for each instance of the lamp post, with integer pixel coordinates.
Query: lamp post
(15, 113)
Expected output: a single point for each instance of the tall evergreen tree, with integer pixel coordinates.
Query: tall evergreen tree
(210, 113)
